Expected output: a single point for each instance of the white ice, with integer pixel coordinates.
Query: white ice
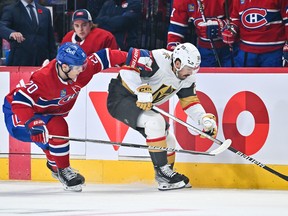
(49, 199)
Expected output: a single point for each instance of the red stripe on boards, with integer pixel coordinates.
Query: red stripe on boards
(19, 165)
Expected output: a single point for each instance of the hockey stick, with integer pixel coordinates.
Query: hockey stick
(284, 62)
(201, 9)
(209, 153)
(229, 27)
(226, 142)
(241, 154)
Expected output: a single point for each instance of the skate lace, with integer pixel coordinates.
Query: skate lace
(69, 173)
(167, 171)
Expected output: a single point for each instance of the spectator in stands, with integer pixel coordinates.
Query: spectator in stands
(208, 29)
(120, 17)
(4, 3)
(28, 27)
(86, 34)
(262, 27)
(94, 6)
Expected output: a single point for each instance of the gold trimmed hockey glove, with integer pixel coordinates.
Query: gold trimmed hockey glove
(144, 97)
(208, 122)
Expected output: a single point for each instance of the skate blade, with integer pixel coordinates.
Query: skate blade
(167, 186)
(188, 185)
(76, 188)
(55, 176)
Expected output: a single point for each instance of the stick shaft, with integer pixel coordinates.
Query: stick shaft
(258, 163)
(201, 8)
(228, 24)
(186, 125)
(131, 145)
(239, 153)
(214, 152)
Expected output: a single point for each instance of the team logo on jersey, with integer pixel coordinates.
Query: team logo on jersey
(242, 1)
(191, 7)
(68, 98)
(166, 55)
(162, 92)
(253, 18)
(63, 93)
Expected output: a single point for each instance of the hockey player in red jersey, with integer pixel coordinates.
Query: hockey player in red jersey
(86, 34)
(153, 78)
(38, 108)
(262, 27)
(208, 28)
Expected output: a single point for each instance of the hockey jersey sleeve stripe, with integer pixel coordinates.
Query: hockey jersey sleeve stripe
(263, 43)
(22, 98)
(187, 92)
(178, 24)
(104, 59)
(177, 30)
(21, 103)
(285, 20)
(189, 101)
(47, 103)
(173, 33)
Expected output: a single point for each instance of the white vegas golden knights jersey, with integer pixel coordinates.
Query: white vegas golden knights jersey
(162, 79)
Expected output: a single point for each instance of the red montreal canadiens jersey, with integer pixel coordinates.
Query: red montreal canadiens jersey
(262, 24)
(97, 39)
(185, 11)
(47, 93)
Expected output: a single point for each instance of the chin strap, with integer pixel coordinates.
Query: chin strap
(176, 69)
(66, 73)
(177, 72)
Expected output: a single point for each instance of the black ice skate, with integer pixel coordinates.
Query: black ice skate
(168, 179)
(71, 180)
(54, 173)
(186, 180)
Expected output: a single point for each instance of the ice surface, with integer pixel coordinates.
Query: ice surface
(38, 198)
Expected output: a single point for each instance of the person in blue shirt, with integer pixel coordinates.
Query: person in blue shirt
(120, 17)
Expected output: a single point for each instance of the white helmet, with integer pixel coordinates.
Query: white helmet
(188, 55)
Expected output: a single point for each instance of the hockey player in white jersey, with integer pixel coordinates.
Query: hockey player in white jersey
(151, 78)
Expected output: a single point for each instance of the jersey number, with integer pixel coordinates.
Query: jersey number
(32, 88)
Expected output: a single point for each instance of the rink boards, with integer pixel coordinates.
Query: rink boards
(250, 105)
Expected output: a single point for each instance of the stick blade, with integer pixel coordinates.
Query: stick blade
(225, 145)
